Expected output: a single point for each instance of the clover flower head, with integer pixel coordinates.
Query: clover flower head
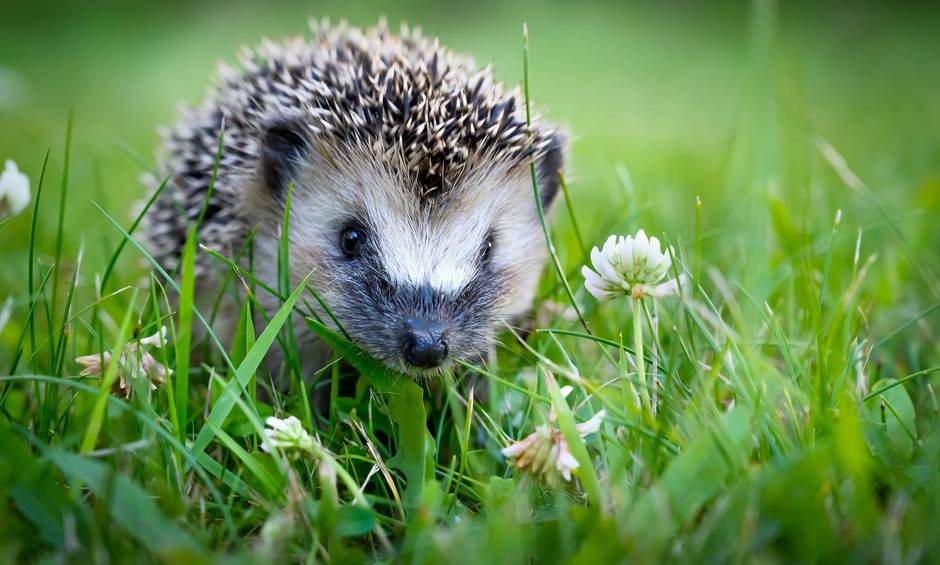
(93, 363)
(14, 190)
(133, 363)
(630, 266)
(545, 451)
(286, 433)
(157, 340)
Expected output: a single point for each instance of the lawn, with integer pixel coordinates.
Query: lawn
(783, 407)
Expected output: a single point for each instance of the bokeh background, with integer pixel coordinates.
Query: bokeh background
(665, 101)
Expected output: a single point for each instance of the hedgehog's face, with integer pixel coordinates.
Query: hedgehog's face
(418, 281)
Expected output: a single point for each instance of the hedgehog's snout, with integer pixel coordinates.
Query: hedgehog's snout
(424, 343)
(426, 315)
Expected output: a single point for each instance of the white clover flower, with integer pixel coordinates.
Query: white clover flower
(630, 266)
(592, 425)
(286, 433)
(14, 190)
(92, 363)
(157, 340)
(542, 452)
(134, 363)
(545, 451)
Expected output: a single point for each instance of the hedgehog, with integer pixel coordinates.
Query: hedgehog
(409, 176)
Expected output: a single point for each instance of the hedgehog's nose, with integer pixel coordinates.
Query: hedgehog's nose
(423, 343)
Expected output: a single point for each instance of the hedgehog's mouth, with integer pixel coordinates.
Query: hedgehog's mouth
(395, 358)
(421, 375)
(416, 330)
(474, 358)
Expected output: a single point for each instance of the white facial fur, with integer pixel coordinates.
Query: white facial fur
(437, 245)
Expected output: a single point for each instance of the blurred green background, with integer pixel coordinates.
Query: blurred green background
(721, 100)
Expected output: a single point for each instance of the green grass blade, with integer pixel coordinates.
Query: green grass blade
(538, 196)
(225, 403)
(28, 330)
(34, 222)
(899, 382)
(569, 204)
(169, 280)
(113, 259)
(406, 409)
(242, 343)
(129, 505)
(184, 331)
(108, 376)
(60, 226)
(692, 478)
(121, 405)
(273, 487)
(66, 316)
(586, 471)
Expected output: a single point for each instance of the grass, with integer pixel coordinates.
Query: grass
(792, 385)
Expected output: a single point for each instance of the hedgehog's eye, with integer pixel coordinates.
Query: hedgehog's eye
(352, 239)
(486, 251)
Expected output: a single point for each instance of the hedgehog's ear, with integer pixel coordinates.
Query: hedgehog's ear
(284, 143)
(550, 166)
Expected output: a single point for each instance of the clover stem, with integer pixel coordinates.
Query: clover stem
(638, 353)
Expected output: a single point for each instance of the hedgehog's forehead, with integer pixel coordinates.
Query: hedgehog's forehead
(421, 239)
(438, 241)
